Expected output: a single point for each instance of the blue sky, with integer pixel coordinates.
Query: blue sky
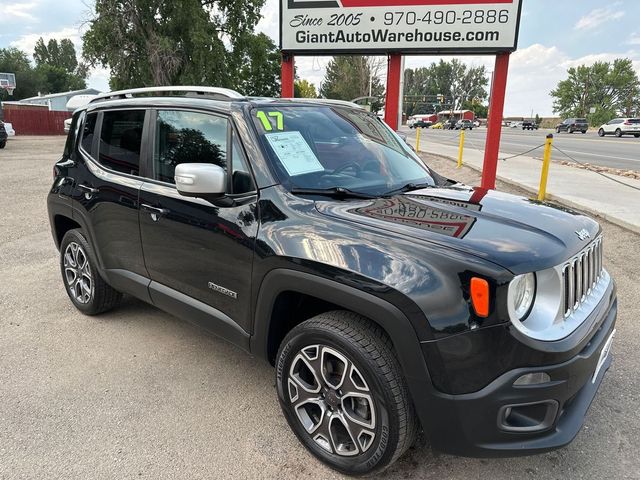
(554, 35)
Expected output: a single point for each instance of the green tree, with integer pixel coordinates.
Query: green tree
(458, 83)
(304, 89)
(612, 88)
(28, 80)
(350, 77)
(479, 109)
(182, 42)
(258, 65)
(58, 66)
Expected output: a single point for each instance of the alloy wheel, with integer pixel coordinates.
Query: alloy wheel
(77, 273)
(332, 400)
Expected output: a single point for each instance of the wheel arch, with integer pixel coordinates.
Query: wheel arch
(62, 224)
(389, 317)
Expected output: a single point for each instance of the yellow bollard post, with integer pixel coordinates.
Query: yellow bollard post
(418, 130)
(546, 162)
(461, 149)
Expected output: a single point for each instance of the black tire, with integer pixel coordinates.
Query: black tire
(558, 130)
(601, 132)
(637, 135)
(369, 351)
(618, 133)
(98, 296)
(3, 144)
(584, 131)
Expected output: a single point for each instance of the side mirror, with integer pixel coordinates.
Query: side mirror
(204, 180)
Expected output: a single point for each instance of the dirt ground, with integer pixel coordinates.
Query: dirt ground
(137, 393)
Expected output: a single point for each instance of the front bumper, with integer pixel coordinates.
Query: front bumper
(473, 424)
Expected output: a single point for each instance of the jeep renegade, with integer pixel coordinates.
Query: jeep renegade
(389, 299)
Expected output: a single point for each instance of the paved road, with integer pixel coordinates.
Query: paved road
(137, 393)
(623, 153)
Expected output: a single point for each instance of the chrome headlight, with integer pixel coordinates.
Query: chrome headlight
(522, 293)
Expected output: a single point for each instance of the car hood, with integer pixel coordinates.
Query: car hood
(516, 233)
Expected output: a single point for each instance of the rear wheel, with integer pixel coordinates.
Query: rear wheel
(342, 392)
(601, 132)
(558, 130)
(88, 292)
(3, 144)
(637, 135)
(584, 131)
(618, 133)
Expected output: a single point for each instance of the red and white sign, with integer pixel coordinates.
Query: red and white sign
(382, 26)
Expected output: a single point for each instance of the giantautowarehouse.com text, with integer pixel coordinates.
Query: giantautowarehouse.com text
(385, 36)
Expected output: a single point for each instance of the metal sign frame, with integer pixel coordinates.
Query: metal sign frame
(422, 50)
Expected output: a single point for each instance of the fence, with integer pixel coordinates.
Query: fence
(36, 122)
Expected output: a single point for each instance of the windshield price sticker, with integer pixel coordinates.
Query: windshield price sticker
(294, 153)
(419, 26)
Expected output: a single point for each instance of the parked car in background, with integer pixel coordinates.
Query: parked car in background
(437, 126)
(529, 125)
(464, 125)
(67, 125)
(476, 123)
(421, 124)
(450, 124)
(620, 127)
(516, 125)
(571, 125)
(3, 135)
(9, 129)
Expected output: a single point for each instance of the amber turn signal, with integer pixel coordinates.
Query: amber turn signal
(480, 296)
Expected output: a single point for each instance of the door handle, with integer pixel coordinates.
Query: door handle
(88, 189)
(156, 212)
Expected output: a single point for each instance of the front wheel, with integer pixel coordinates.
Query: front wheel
(558, 130)
(3, 144)
(618, 133)
(637, 135)
(343, 394)
(87, 290)
(601, 132)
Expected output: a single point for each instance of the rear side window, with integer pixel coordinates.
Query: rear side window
(634, 120)
(120, 140)
(581, 120)
(188, 137)
(88, 131)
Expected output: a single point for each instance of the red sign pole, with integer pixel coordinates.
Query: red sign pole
(494, 126)
(394, 72)
(288, 75)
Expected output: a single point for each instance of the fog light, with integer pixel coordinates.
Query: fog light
(532, 379)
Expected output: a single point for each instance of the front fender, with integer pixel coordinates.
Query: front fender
(401, 331)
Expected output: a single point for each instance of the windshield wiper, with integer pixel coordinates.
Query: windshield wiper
(409, 187)
(336, 192)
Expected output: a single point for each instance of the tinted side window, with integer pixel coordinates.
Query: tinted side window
(188, 137)
(120, 140)
(88, 132)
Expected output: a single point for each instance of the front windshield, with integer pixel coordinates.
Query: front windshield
(326, 147)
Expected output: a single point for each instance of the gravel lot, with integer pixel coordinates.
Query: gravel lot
(137, 393)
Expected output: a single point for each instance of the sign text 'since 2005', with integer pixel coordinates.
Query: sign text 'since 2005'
(419, 26)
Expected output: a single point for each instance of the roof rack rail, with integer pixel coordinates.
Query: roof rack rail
(328, 101)
(225, 93)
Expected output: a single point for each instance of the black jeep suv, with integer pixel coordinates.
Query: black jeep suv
(389, 299)
(571, 125)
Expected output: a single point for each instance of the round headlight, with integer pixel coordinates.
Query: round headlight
(522, 292)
